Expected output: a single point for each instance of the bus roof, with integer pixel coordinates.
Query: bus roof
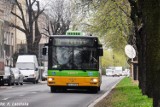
(74, 33)
(69, 36)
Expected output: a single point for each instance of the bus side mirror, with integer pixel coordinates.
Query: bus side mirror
(44, 51)
(36, 69)
(100, 50)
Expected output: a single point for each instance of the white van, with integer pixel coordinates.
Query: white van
(28, 66)
(117, 71)
(109, 72)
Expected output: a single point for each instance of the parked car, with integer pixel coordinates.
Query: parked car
(18, 76)
(126, 72)
(9, 76)
(117, 71)
(44, 75)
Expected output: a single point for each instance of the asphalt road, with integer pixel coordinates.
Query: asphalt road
(38, 95)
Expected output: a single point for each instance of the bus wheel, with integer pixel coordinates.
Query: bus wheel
(99, 88)
(9, 83)
(34, 82)
(53, 89)
(37, 81)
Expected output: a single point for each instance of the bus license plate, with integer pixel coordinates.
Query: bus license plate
(72, 84)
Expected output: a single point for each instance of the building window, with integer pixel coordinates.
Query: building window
(5, 38)
(8, 38)
(12, 41)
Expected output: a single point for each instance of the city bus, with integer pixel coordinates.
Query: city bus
(73, 62)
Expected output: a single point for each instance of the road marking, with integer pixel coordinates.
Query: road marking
(5, 99)
(2, 87)
(21, 95)
(33, 92)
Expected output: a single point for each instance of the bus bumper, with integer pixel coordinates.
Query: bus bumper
(73, 81)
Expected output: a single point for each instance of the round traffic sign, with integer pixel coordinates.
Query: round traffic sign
(130, 51)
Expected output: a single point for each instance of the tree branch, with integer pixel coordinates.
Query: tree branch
(22, 14)
(16, 15)
(36, 17)
(121, 9)
(27, 3)
(47, 30)
(18, 27)
(45, 34)
(33, 2)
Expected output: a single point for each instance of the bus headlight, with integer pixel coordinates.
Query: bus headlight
(95, 80)
(50, 79)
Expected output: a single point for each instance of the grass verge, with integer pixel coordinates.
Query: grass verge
(125, 94)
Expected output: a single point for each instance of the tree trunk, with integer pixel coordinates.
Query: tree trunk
(149, 57)
(156, 103)
(37, 39)
(156, 100)
(142, 62)
(151, 16)
(29, 43)
(32, 15)
(136, 17)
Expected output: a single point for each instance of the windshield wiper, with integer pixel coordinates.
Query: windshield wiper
(25, 69)
(61, 69)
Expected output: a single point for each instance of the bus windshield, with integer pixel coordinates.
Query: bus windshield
(81, 58)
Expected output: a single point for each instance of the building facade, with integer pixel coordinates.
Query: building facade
(14, 40)
(8, 33)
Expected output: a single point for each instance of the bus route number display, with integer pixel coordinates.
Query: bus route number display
(73, 42)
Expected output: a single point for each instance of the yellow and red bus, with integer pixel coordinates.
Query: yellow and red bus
(73, 62)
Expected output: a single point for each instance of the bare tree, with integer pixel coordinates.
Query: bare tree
(30, 24)
(59, 17)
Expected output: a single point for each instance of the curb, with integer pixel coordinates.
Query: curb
(103, 96)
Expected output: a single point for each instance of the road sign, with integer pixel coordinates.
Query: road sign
(130, 51)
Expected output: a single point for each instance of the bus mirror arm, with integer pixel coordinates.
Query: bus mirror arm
(100, 50)
(44, 51)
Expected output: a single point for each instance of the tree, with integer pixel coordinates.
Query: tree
(112, 24)
(30, 24)
(151, 19)
(65, 15)
(145, 36)
(113, 59)
(59, 12)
